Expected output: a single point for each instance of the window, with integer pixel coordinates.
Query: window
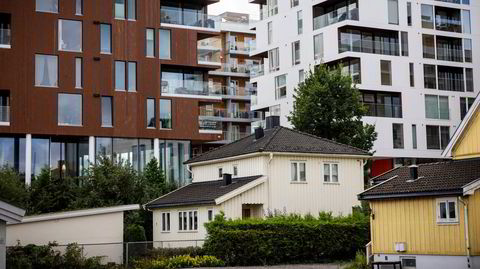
(414, 136)
(119, 9)
(4, 108)
(430, 76)
(393, 11)
(165, 114)
(273, 60)
(165, 44)
(450, 78)
(467, 47)
(150, 42)
(5, 30)
(436, 107)
(447, 211)
(296, 53)
(131, 10)
(437, 136)
(449, 49)
(428, 46)
(210, 214)
(105, 38)
(298, 172)
(368, 41)
(188, 220)
(386, 72)
(404, 40)
(47, 6)
(318, 46)
(397, 135)
(294, 3)
(107, 111)
(412, 75)
(272, 7)
(301, 75)
(330, 12)
(427, 16)
(299, 22)
(469, 79)
(70, 35)
(46, 70)
(330, 172)
(235, 170)
(409, 262)
(383, 104)
(151, 120)
(120, 76)
(270, 32)
(132, 76)
(409, 13)
(467, 28)
(465, 105)
(220, 172)
(166, 222)
(280, 86)
(79, 7)
(78, 73)
(70, 109)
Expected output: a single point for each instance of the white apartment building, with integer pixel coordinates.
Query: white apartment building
(414, 62)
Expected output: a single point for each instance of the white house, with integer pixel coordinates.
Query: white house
(8, 214)
(276, 169)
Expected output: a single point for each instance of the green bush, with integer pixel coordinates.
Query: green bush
(183, 261)
(172, 252)
(360, 261)
(287, 239)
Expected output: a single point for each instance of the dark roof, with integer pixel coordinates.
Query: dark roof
(434, 179)
(200, 193)
(279, 139)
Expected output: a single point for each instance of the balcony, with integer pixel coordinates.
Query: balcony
(368, 41)
(243, 48)
(209, 51)
(384, 110)
(231, 136)
(448, 19)
(5, 38)
(4, 115)
(223, 115)
(206, 89)
(188, 18)
(325, 15)
(239, 70)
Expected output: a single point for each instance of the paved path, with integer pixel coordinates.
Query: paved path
(293, 266)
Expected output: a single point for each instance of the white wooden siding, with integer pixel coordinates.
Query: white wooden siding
(257, 195)
(253, 166)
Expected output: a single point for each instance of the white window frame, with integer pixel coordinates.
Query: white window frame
(166, 222)
(274, 60)
(330, 174)
(297, 174)
(60, 35)
(278, 87)
(188, 220)
(296, 53)
(447, 201)
(270, 32)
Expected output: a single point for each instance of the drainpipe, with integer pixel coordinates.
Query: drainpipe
(269, 173)
(467, 240)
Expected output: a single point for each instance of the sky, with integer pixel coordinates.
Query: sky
(241, 6)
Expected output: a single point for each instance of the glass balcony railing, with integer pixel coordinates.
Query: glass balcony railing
(209, 125)
(451, 84)
(257, 70)
(241, 47)
(204, 88)
(448, 54)
(334, 17)
(448, 24)
(350, 43)
(232, 136)
(5, 37)
(190, 17)
(384, 110)
(252, 70)
(4, 114)
(209, 57)
(224, 113)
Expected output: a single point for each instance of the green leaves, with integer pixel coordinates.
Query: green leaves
(327, 105)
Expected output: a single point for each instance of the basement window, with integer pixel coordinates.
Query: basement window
(447, 210)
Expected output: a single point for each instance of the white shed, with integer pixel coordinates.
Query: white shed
(8, 214)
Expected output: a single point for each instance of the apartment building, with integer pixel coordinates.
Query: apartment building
(413, 61)
(229, 117)
(121, 78)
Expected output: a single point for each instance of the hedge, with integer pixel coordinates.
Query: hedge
(284, 240)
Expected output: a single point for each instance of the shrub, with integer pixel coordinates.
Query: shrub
(183, 261)
(12, 188)
(172, 252)
(287, 239)
(360, 261)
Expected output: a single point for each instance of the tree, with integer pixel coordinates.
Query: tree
(12, 188)
(328, 105)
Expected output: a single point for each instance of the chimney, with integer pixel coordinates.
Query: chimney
(227, 179)
(272, 122)
(413, 172)
(259, 133)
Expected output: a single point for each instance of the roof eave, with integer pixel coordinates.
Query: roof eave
(192, 203)
(409, 195)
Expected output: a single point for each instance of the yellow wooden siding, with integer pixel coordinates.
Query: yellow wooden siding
(468, 145)
(474, 222)
(414, 221)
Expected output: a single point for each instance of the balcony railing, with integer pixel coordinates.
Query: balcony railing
(368, 46)
(4, 114)
(178, 16)
(448, 54)
(451, 84)
(334, 17)
(224, 113)
(241, 47)
(448, 24)
(5, 37)
(203, 88)
(232, 136)
(384, 110)
(252, 70)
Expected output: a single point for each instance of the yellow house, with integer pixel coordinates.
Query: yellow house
(428, 216)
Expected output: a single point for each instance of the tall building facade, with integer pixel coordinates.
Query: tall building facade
(120, 78)
(415, 63)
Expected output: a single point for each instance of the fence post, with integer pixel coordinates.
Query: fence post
(126, 255)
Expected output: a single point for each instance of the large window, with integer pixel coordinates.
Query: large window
(119, 9)
(165, 44)
(397, 129)
(120, 76)
(188, 220)
(450, 78)
(296, 53)
(404, 40)
(428, 46)
(150, 42)
(298, 171)
(449, 49)
(467, 47)
(368, 41)
(280, 86)
(165, 114)
(437, 137)
(183, 81)
(330, 172)
(166, 222)
(273, 60)
(107, 111)
(46, 6)
(383, 104)
(386, 72)
(5, 30)
(430, 76)
(78, 73)
(132, 9)
(427, 16)
(448, 19)
(447, 211)
(465, 105)
(318, 46)
(70, 109)
(393, 11)
(299, 22)
(151, 111)
(132, 76)
(467, 28)
(46, 70)
(70, 35)
(105, 38)
(436, 107)
(330, 12)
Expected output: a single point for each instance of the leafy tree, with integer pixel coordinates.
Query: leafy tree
(328, 105)
(155, 182)
(12, 188)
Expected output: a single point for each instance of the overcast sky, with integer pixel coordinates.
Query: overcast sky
(241, 6)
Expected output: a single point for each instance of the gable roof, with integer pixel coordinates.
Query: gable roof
(462, 128)
(434, 179)
(10, 213)
(279, 139)
(200, 193)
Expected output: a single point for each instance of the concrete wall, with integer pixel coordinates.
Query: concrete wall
(3, 240)
(96, 229)
(431, 261)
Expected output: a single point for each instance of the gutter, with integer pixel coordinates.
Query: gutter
(409, 195)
